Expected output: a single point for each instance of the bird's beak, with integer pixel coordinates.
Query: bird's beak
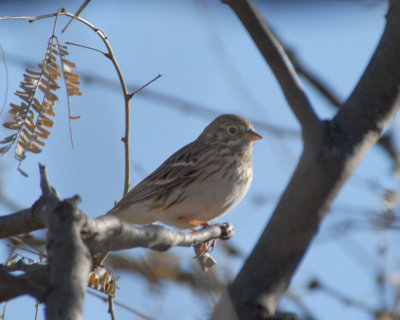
(252, 136)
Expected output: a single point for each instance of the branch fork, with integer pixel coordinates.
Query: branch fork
(73, 239)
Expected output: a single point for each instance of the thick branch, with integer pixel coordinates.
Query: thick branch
(23, 221)
(33, 218)
(70, 235)
(69, 262)
(110, 233)
(324, 167)
(33, 282)
(277, 59)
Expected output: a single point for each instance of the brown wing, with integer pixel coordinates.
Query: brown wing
(179, 168)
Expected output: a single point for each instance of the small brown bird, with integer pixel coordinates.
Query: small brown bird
(200, 182)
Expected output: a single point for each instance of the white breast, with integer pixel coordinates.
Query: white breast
(206, 202)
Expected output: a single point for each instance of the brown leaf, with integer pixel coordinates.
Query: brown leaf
(12, 125)
(26, 133)
(35, 73)
(42, 143)
(22, 142)
(4, 149)
(69, 63)
(42, 132)
(45, 121)
(51, 97)
(34, 148)
(10, 138)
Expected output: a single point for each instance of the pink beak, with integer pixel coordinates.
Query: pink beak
(252, 136)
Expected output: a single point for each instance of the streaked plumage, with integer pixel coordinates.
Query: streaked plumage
(201, 181)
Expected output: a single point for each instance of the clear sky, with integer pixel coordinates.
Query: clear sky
(207, 60)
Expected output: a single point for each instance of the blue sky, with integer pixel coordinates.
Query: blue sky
(207, 59)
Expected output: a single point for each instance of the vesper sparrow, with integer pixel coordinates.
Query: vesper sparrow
(198, 183)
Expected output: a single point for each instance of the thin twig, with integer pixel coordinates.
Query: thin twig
(111, 307)
(68, 96)
(77, 14)
(171, 101)
(37, 310)
(86, 47)
(3, 55)
(279, 62)
(144, 86)
(313, 79)
(45, 185)
(110, 55)
(3, 315)
(124, 306)
(126, 138)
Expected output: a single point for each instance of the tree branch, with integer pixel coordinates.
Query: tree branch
(70, 236)
(274, 54)
(33, 282)
(69, 262)
(33, 218)
(313, 79)
(110, 233)
(324, 167)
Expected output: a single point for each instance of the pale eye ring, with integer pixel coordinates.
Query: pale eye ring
(232, 130)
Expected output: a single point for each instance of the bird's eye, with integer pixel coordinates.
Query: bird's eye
(232, 130)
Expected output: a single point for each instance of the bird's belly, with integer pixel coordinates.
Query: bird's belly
(206, 204)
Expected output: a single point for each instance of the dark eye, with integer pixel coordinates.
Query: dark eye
(232, 130)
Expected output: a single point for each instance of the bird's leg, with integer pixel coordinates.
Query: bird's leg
(199, 223)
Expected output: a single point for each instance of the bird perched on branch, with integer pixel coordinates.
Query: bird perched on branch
(200, 182)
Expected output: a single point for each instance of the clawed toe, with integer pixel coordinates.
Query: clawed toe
(205, 247)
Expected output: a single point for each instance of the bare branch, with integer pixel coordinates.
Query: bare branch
(169, 100)
(77, 14)
(313, 79)
(70, 236)
(47, 189)
(4, 58)
(123, 306)
(23, 221)
(274, 54)
(69, 262)
(324, 167)
(33, 282)
(144, 86)
(33, 218)
(108, 233)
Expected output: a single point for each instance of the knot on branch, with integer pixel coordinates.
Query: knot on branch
(67, 211)
(227, 231)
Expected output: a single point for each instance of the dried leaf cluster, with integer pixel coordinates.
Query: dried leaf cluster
(33, 117)
(103, 279)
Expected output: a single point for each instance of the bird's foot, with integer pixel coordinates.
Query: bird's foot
(206, 246)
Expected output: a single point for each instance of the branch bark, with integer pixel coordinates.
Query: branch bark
(274, 54)
(69, 262)
(33, 218)
(325, 165)
(72, 239)
(33, 282)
